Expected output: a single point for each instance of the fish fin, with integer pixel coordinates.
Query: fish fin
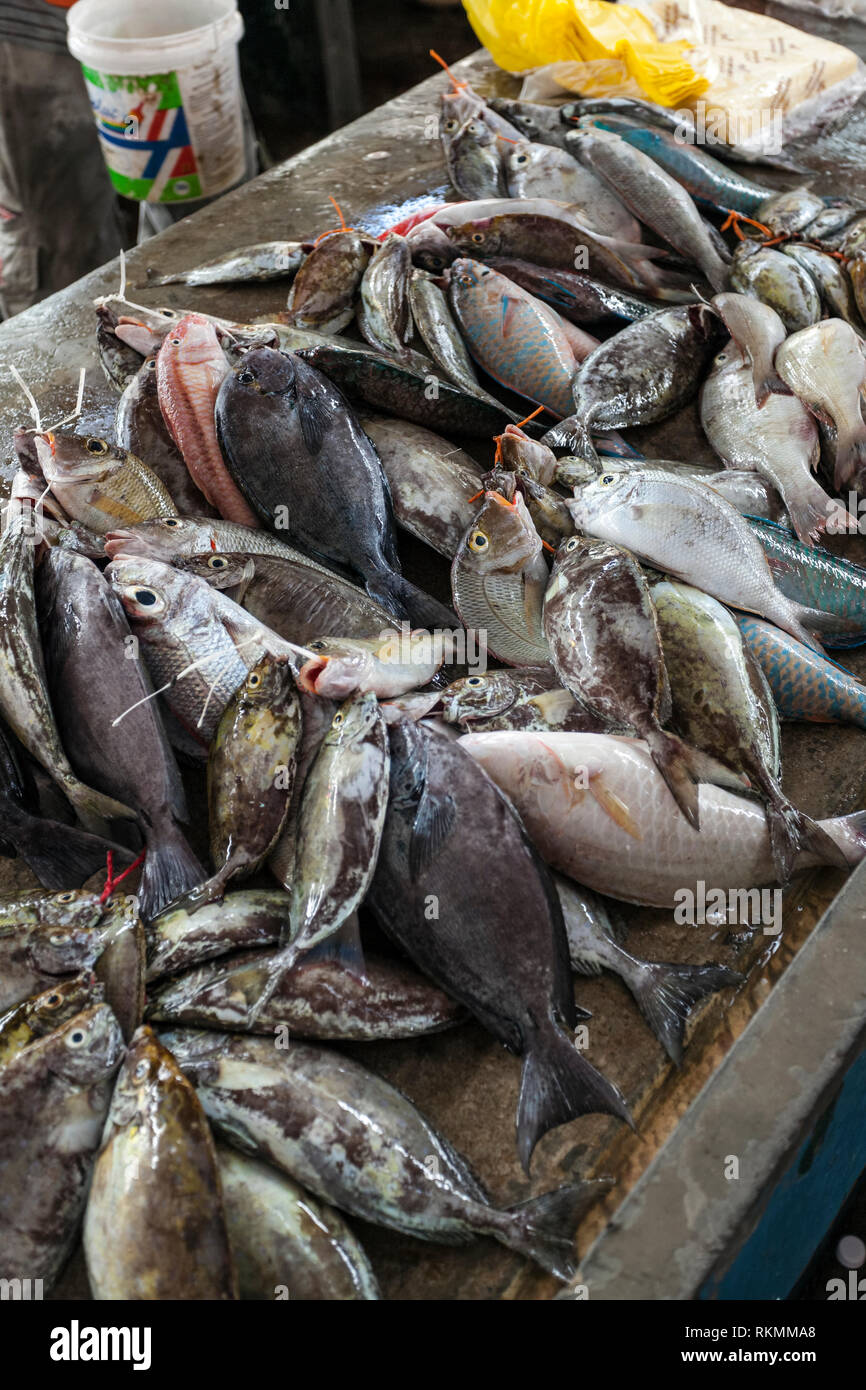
(666, 995)
(850, 457)
(62, 856)
(848, 833)
(93, 808)
(343, 946)
(770, 385)
(810, 515)
(673, 759)
(613, 806)
(793, 833)
(170, 869)
(435, 819)
(543, 1228)
(314, 418)
(573, 435)
(557, 1085)
(705, 768)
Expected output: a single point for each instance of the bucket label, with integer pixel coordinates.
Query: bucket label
(145, 136)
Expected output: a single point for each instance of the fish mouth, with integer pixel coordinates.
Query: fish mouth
(124, 543)
(310, 673)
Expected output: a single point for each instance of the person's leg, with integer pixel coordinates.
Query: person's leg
(58, 211)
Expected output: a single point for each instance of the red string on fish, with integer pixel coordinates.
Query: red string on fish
(333, 231)
(497, 438)
(110, 881)
(458, 86)
(734, 219)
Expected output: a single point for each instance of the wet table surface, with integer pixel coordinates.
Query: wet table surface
(462, 1079)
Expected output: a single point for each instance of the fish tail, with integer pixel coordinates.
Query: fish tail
(407, 602)
(94, 809)
(674, 761)
(170, 869)
(793, 833)
(848, 833)
(850, 456)
(812, 509)
(666, 994)
(62, 856)
(557, 1085)
(543, 1228)
(770, 385)
(572, 434)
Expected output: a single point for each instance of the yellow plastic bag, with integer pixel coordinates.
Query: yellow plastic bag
(521, 34)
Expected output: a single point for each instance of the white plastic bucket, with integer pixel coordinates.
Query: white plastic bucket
(164, 84)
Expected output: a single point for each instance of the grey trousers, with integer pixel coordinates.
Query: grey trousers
(58, 211)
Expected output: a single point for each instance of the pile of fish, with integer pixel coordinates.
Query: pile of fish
(211, 605)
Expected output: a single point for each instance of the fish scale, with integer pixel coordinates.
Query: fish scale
(804, 684)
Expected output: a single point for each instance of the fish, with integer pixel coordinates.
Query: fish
(757, 331)
(176, 538)
(385, 313)
(828, 224)
(693, 534)
(250, 774)
(117, 742)
(723, 705)
(576, 836)
(372, 381)
(317, 997)
(514, 337)
(526, 456)
(54, 935)
(155, 1227)
(645, 372)
(24, 699)
(748, 492)
(121, 967)
(550, 515)
(653, 196)
(263, 260)
(178, 939)
(439, 811)
(296, 447)
(574, 295)
(282, 1238)
(664, 992)
(776, 280)
(813, 576)
(387, 665)
(435, 325)
(60, 855)
(295, 599)
(498, 578)
(198, 646)
(189, 370)
(139, 427)
(472, 157)
(340, 819)
(531, 698)
(856, 268)
(542, 171)
(100, 485)
(375, 1162)
(43, 1013)
(55, 1096)
(317, 714)
(825, 367)
(779, 440)
(805, 685)
(834, 286)
(706, 179)
(789, 211)
(326, 286)
(430, 480)
(118, 360)
(603, 634)
(541, 124)
(145, 329)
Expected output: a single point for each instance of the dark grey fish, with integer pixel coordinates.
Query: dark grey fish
(439, 813)
(285, 1243)
(316, 998)
(139, 427)
(295, 447)
(121, 967)
(54, 1098)
(473, 158)
(118, 360)
(326, 287)
(383, 1162)
(644, 373)
(665, 993)
(534, 121)
(178, 939)
(384, 313)
(116, 740)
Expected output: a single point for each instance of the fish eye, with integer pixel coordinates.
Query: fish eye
(607, 478)
(58, 939)
(65, 897)
(337, 720)
(96, 446)
(317, 646)
(245, 376)
(141, 1070)
(52, 1001)
(146, 597)
(521, 159)
(466, 279)
(150, 364)
(77, 1038)
(171, 521)
(167, 313)
(478, 238)
(449, 125)
(572, 544)
(478, 541)
(176, 342)
(474, 681)
(254, 681)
